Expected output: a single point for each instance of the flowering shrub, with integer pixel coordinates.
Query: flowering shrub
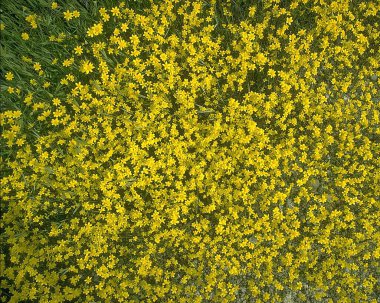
(190, 151)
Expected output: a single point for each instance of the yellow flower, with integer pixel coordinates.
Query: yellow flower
(271, 73)
(32, 20)
(78, 50)
(261, 59)
(70, 77)
(20, 141)
(68, 62)
(87, 67)
(95, 30)
(252, 11)
(124, 27)
(76, 14)
(25, 36)
(64, 82)
(54, 5)
(56, 101)
(115, 11)
(67, 15)
(37, 67)
(2, 26)
(26, 59)
(9, 76)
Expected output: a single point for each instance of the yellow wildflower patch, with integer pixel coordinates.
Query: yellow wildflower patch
(191, 151)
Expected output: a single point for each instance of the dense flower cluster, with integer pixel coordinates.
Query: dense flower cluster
(191, 151)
